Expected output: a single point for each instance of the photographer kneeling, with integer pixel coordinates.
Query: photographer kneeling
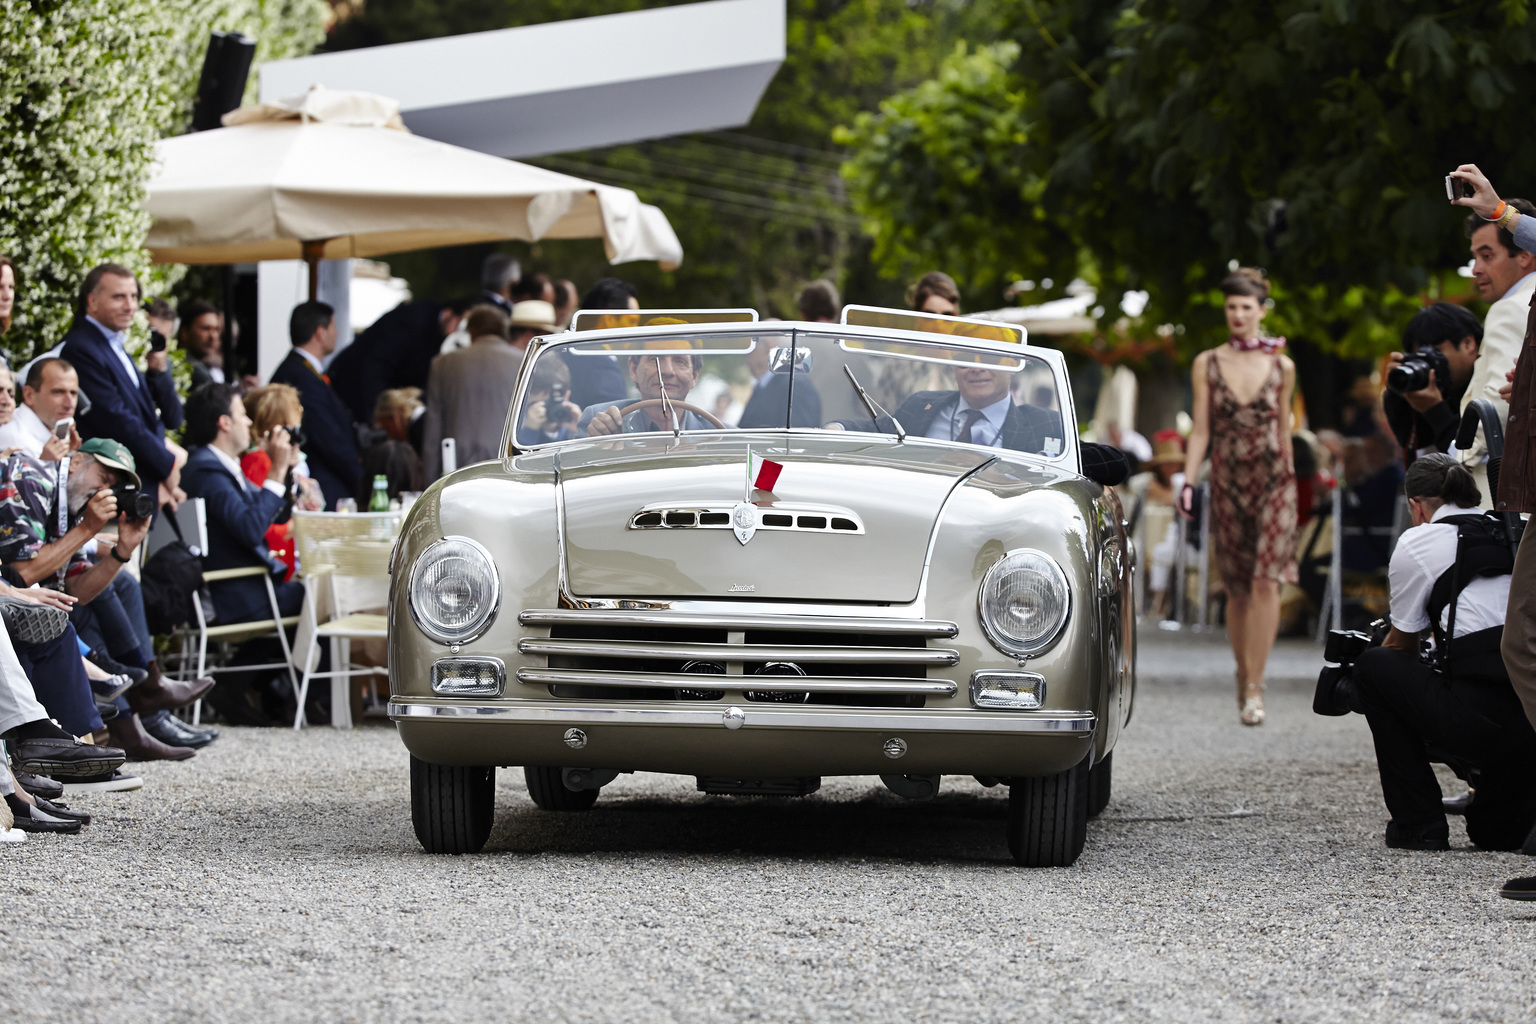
(1449, 576)
(1426, 383)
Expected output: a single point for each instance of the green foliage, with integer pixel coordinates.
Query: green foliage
(88, 87)
(759, 211)
(1166, 138)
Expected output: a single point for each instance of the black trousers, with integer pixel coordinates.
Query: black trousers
(1478, 726)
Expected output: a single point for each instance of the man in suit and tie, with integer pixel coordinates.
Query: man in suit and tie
(239, 511)
(132, 407)
(332, 444)
(470, 390)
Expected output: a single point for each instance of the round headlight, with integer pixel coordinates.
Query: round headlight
(1024, 602)
(454, 590)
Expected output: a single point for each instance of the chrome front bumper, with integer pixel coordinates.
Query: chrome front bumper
(1063, 723)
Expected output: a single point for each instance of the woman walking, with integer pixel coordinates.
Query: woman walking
(1242, 398)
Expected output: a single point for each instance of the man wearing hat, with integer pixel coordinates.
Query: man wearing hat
(470, 390)
(50, 514)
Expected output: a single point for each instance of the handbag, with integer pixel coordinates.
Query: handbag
(171, 580)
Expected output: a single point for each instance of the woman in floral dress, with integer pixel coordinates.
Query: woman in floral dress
(1242, 403)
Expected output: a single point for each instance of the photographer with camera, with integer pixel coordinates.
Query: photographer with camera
(239, 512)
(1449, 580)
(1427, 380)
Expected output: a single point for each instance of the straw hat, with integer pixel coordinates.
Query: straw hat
(1167, 446)
(534, 313)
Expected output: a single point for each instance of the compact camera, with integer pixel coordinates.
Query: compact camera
(132, 502)
(1457, 188)
(554, 407)
(296, 435)
(1414, 372)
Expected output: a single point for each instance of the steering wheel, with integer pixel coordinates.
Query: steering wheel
(647, 403)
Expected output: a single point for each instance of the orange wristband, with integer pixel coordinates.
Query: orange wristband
(1499, 211)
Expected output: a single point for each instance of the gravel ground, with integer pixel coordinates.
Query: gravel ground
(1238, 874)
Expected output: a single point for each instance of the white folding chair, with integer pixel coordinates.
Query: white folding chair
(344, 561)
(193, 519)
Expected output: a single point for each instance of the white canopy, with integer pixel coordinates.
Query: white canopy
(339, 171)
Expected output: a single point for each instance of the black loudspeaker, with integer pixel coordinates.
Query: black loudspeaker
(222, 85)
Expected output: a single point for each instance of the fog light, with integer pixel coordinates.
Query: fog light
(1017, 691)
(459, 677)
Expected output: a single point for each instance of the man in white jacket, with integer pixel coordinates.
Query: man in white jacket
(1505, 275)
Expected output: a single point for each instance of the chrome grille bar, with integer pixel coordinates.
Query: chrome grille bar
(694, 620)
(766, 684)
(739, 652)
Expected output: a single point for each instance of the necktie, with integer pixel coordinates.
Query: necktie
(967, 430)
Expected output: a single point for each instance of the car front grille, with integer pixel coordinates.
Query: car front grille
(607, 655)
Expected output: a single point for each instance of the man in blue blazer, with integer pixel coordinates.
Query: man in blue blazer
(132, 407)
(239, 511)
(331, 445)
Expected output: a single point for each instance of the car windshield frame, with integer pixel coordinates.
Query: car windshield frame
(795, 331)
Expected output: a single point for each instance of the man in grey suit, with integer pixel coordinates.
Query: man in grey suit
(470, 390)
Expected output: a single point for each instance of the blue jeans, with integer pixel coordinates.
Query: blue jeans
(59, 680)
(114, 619)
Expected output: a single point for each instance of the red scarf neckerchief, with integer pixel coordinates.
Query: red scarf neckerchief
(1270, 345)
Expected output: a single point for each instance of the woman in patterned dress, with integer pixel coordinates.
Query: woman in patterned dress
(1242, 417)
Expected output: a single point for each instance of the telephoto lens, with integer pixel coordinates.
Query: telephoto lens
(1417, 369)
(1336, 695)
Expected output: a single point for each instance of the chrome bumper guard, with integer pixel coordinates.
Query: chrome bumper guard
(1067, 723)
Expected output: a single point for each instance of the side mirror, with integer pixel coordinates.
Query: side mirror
(784, 358)
(1105, 464)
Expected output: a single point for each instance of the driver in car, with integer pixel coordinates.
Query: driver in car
(669, 368)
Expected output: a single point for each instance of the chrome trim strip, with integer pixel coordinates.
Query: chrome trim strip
(711, 681)
(1067, 723)
(739, 652)
(732, 622)
(791, 509)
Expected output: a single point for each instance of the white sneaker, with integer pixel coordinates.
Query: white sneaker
(13, 835)
(117, 782)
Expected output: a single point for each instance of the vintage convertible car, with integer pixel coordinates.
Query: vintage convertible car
(892, 564)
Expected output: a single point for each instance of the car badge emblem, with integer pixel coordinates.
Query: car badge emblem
(744, 521)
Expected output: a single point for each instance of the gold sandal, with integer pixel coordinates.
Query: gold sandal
(1253, 710)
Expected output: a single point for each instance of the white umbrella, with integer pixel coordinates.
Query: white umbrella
(333, 174)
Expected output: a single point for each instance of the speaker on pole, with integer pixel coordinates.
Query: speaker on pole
(222, 84)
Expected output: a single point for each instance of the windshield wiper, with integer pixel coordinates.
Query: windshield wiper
(666, 405)
(874, 407)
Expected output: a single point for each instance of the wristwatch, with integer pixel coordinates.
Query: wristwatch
(119, 557)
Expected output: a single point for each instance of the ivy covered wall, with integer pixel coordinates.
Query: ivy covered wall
(86, 87)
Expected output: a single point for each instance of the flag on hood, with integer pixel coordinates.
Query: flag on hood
(762, 473)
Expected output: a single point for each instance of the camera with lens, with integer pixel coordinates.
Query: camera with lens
(1336, 694)
(554, 406)
(132, 502)
(296, 435)
(1418, 368)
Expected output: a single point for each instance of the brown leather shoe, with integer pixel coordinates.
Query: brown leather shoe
(160, 694)
(128, 733)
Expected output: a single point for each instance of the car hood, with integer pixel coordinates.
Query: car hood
(893, 492)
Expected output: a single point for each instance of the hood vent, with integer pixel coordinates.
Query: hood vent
(778, 516)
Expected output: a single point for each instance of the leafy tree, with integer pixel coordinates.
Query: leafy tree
(1145, 143)
(88, 87)
(759, 210)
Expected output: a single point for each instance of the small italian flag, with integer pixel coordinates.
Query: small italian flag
(762, 473)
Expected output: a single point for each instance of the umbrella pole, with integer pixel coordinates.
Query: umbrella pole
(313, 251)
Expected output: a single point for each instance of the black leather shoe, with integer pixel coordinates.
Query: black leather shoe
(1519, 889)
(66, 758)
(35, 819)
(1457, 804)
(61, 811)
(39, 785)
(1421, 837)
(170, 730)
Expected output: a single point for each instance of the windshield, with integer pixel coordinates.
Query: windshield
(801, 380)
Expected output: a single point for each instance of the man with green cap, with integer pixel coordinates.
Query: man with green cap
(50, 516)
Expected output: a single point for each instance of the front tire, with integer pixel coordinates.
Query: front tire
(452, 806)
(1100, 778)
(548, 792)
(1048, 818)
